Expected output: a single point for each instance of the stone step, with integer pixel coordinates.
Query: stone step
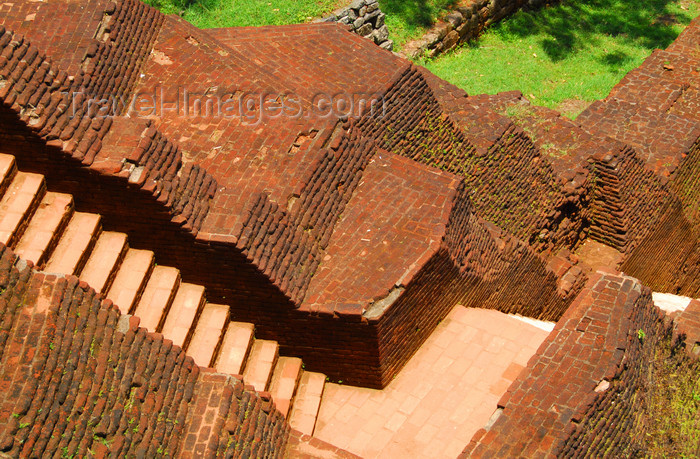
(235, 348)
(45, 228)
(284, 382)
(104, 261)
(207, 333)
(18, 205)
(74, 247)
(8, 169)
(307, 402)
(260, 363)
(158, 296)
(188, 302)
(131, 279)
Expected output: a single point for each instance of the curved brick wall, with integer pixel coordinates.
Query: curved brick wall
(579, 393)
(79, 378)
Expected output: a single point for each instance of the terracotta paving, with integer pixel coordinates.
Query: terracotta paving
(446, 392)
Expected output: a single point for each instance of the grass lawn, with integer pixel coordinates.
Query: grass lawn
(567, 55)
(563, 57)
(240, 13)
(406, 19)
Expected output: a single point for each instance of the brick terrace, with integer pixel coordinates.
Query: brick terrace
(445, 393)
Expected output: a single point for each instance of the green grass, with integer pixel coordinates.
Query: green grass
(410, 19)
(670, 419)
(241, 13)
(570, 54)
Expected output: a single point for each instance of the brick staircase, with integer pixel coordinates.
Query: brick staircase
(43, 227)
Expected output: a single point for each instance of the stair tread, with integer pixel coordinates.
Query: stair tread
(106, 255)
(130, 279)
(46, 224)
(307, 402)
(17, 202)
(179, 320)
(74, 243)
(157, 297)
(207, 333)
(284, 382)
(260, 363)
(235, 347)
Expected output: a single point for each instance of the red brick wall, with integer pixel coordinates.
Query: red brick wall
(579, 393)
(79, 378)
(122, 43)
(667, 258)
(44, 99)
(287, 244)
(509, 184)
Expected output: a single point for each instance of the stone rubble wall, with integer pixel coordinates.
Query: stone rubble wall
(80, 379)
(465, 22)
(364, 18)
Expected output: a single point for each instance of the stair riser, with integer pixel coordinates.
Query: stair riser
(217, 350)
(294, 395)
(88, 250)
(141, 289)
(5, 184)
(19, 231)
(117, 266)
(56, 237)
(166, 311)
(195, 321)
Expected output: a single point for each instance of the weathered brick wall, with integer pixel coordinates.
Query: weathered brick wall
(230, 420)
(79, 378)
(50, 104)
(122, 43)
(478, 265)
(667, 258)
(686, 184)
(580, 391)
(627, 199)
(510, 185)
(343, 348)
(286, 244)
(512, 276)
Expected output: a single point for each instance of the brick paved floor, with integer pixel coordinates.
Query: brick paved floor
(446, 392)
